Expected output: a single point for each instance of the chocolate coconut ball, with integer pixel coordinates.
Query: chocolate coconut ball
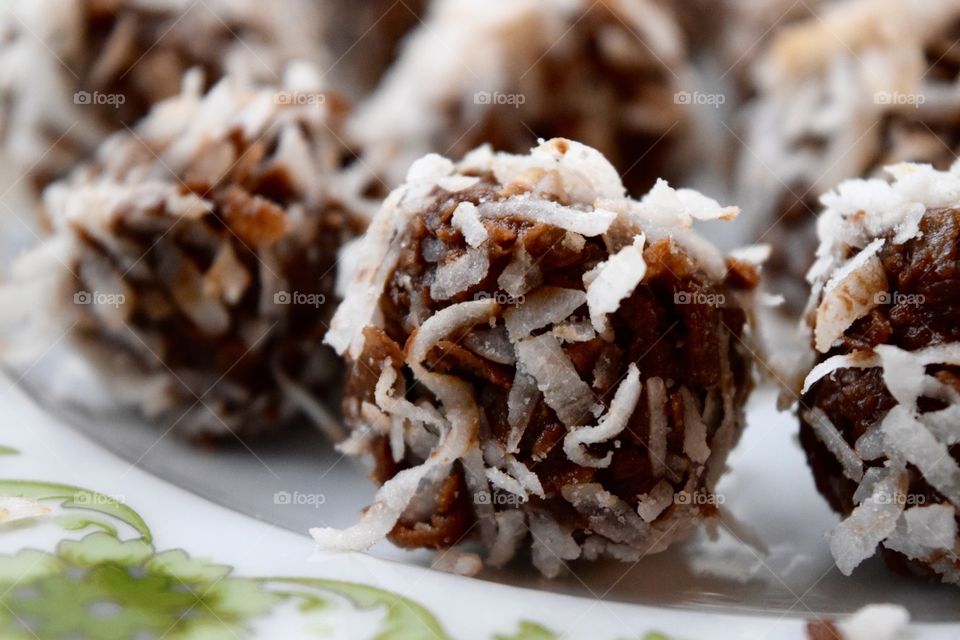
(535, 358)
(72, 71)
(194, 258)
(839, 95)
(613, 75)
(879, 410)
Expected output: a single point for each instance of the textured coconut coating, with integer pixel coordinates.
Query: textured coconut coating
(879, 408)
(839, 95)
(194, 258)
(73, 71)
(508, 72)
(536, 359)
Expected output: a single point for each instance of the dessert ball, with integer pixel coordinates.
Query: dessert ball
(72, 71)
(613, 75)
(535, 357)
(194, 258)
(840, 95)
(879, 410)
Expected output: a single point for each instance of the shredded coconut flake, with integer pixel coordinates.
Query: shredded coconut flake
(831, 437)
(558, 380)
(521, 402)
(587, 223)
(613, 281)
(521, 275)
(545, 306)
(849, 295)
(856, 538)
(651, 505)
(610, 425)
(876, 622)
(466, 219)
(905, 436)
(694, 429)
(657, 405)
(460, 274)
(459, 563)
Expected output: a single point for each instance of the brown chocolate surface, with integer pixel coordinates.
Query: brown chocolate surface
(158, 255)
(685, 344)
(924, 285)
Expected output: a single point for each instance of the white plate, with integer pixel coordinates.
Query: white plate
(782, 577)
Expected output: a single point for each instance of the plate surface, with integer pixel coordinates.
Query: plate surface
(770, 555)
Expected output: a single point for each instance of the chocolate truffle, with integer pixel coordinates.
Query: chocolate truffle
(534, 356)
(72, 71)
(613, 75)
(194, 258)
(840, 95)
(879, 410)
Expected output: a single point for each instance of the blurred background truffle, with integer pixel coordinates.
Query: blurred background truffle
(73, 71)
(862, 84)
(614, 75)
(194, 258)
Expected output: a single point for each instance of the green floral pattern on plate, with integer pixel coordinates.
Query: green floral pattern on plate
(102, 587)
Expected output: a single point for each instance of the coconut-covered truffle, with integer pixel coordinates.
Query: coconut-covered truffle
(194, 258)
(879, 411)
(72, 71)
(840, 95)
(507, 72)
(534, 356)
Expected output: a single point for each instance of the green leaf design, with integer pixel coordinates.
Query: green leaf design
(72, 522)
(404, 619)
(99, 548)
(27, 565)
(102, 587)
(177, 564)
(74, 498)
(529, 631)
(8, 451)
